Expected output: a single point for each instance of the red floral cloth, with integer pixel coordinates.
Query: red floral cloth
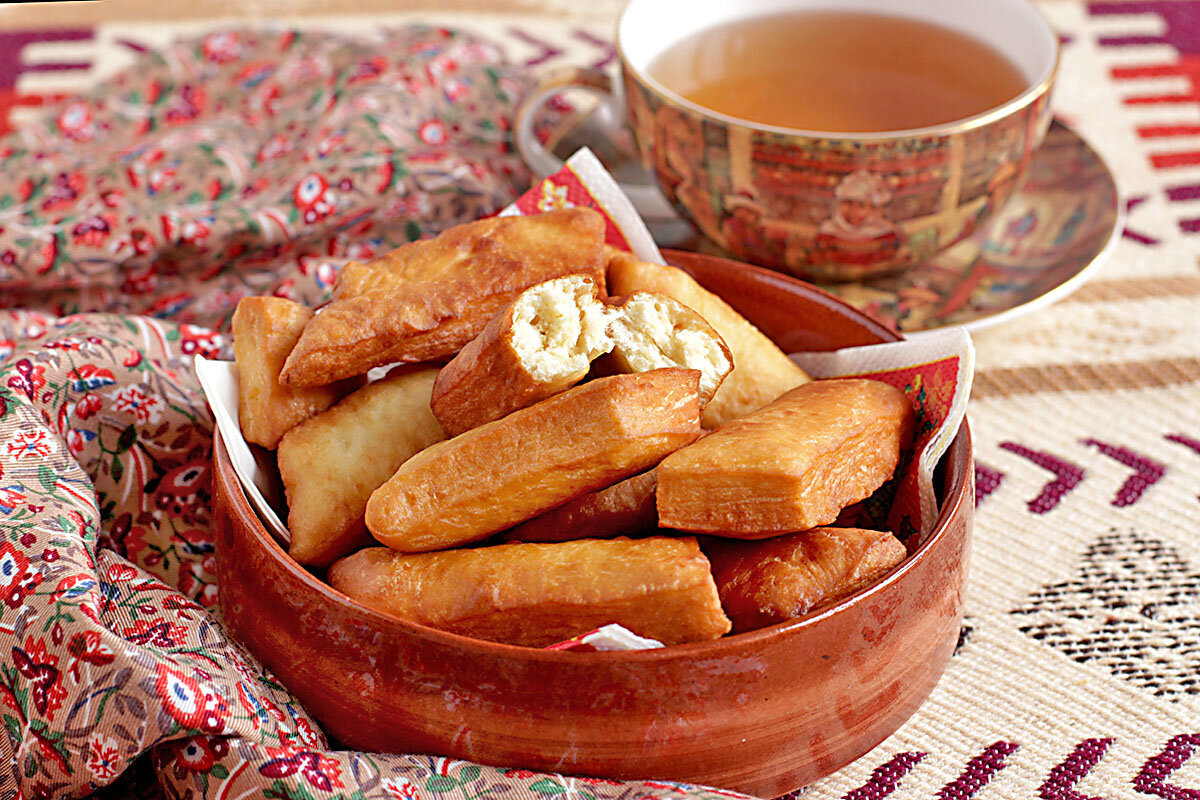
(239, 163)
(252, 163)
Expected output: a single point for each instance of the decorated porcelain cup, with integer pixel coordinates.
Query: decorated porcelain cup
(825, 206)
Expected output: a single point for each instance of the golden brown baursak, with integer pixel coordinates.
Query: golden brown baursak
(541, 344)
(761, 371)
(622, 509)
(778, 579)
(538, 594)
(790, 466)
(425, 300)
(331, 464)
(265, 329)
(504, 472)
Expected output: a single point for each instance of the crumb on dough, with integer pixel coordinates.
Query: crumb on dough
(560, 326)
(649, 335)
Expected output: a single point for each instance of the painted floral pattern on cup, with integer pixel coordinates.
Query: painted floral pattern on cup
(825, 208)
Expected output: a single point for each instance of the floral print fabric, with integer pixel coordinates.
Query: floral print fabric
(252, 163)
(238, 163)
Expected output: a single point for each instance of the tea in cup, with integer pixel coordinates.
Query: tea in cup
(838, 141)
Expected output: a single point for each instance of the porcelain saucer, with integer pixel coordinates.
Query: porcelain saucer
(1055, 231)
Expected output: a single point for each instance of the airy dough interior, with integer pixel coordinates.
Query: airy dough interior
(559, 327)
(650, 334)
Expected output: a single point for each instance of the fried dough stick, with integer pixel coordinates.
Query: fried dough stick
(538, 594)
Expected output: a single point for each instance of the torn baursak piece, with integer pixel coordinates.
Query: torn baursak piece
(761, 371)
(265, 329)
(425, 300)
(332, 463)
(778, 579)
(654, 331)
(790, 466)
(538, 594)
(545, 341)
(622, 509)
(504, 472)
(542, 344)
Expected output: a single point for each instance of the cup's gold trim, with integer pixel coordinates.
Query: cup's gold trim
(1016, 104)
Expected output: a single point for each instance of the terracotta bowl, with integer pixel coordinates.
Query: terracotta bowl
(763, 712)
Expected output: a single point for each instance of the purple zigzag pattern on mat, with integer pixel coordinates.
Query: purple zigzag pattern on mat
(1153, 776)
(13, 66)
(1130, 233)
(605, 47)
(136, 47)
(1060, 784)
(978, 773)
(886, 777)
(1186, 441)
(546, 52)
(1181, 18)
(1146, 471)
(1179, 194)
(12, 46)
(987, 480)
(1067, 476)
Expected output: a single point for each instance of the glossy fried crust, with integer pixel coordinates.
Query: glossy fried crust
(265, 329)
(790, 466)
(494, 375)
(761, 371)
(539, 594)
(619, 510)
(425, 300)
(494, 476)
(331, 463)
(778, 579)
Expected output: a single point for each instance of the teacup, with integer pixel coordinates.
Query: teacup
(825, 206)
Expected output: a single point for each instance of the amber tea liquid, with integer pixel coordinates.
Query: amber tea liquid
(839, 71)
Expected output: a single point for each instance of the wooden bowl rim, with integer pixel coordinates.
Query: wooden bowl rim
(959, 454)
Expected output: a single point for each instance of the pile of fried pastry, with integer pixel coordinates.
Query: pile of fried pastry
(565, 437)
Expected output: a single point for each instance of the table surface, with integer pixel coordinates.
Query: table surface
(1077, 665)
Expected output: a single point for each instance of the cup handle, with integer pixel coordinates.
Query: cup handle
(646, 197)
